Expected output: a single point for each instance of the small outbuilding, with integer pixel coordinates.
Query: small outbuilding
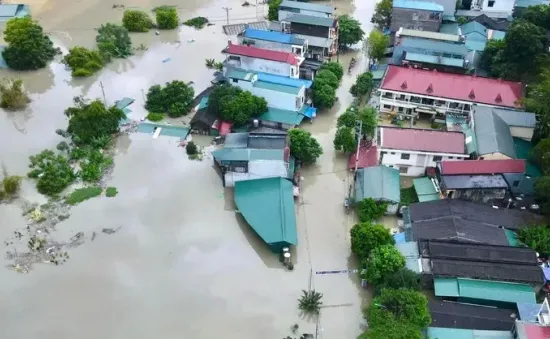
(380, 183)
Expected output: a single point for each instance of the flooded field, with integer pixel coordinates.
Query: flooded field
(183, 264)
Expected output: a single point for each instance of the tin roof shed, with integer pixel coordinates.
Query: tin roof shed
(378, 183)
(481, 291)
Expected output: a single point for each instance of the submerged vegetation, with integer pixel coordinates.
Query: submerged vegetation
(9, 186)
(175, 99)
(13, 96)
(197, 22)
(82, 194)
(136, 21)
(154, 117)
(111, 192)
(83, 62)
(113, 41)
(310, 302)
(167, 17)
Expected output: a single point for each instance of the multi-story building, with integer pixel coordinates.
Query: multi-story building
(411, 151)
(288, 8)
(306, 25)
(419, 15)
(408, 91)
(274, 41)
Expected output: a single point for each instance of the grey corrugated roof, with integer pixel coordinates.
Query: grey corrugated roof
(492, 134)
(236, 140)
(266, 141)
(434, 46)
(457, 229)
(510, 117)
(379, 183)
(310, 20)
(473, 181)
(315, 40)
(307, 6)
(456, 315)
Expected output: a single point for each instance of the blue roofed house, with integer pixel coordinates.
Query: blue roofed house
(419, 15)
(275, 41)
(380, 183)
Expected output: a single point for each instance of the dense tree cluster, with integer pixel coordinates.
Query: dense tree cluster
(303, 146)
(325, 83)
(382, 14)
(174, 99)
(235, 105)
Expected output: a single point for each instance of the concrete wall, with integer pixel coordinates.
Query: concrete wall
(274, 98)
(498, 6)
(415, 19)
(271, 45)
(276, 125)
(481, 196)
(266, 66)
(416, 164)
(525, 133)
(285, 14)
(494, 156)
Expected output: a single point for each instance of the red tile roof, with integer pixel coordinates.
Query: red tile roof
(260, 53)
(452, 86)
(534, 331)
(482, 166)
(368, 156)
(421, 140)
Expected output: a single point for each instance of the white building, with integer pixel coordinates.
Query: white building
(411, 151)
(274, 41)
(288, 8)
(506, 6)
(408, 91)
(262, 60)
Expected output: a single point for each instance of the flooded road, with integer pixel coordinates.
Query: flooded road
(183, 264)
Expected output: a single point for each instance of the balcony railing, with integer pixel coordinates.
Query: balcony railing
(424, 104)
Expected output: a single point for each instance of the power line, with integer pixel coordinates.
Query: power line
(227, 9)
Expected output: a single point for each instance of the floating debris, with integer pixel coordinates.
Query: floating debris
(111, 230)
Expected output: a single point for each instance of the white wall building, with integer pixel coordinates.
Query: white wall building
(493, 5)
(288, 8)
(274, 41)
(411, 151)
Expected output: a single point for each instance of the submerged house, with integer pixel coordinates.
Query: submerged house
(206, 122)
(380, 183)
(267, 205)
(418, 15)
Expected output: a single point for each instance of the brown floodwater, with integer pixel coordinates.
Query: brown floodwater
(183, 264)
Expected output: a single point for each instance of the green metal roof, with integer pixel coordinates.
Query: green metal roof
(247, 154)
(239, 74)
(268, 207)
(460, 333)
(451, 28)
(434, 59)
(523, 150)
(282, 116)
(484, 290)
(425, 189)
(379, 183)
(277, 87)
(512, 238)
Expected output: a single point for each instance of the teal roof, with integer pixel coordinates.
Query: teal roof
(460, 333)
(433, 59)
(203, 103)
(267, 205)
(451, 28)
(247, 154)
(512, 238)
(484, 290)
(239, 74)
(498, 35)
(475, 45)
(379, 183)
(409, 250)
(10, 11)
(166, 130)
(523, 150)
(277, 87)
(415, 4)
(425, 189)
(474, 30)
(123, 103)
(282, 116)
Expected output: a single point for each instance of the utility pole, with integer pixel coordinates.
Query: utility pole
(227, 9)
(103, 91)
(358, 133)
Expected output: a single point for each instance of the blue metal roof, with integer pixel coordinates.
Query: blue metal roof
(474, 45)
(269, 36)
(434, 46)
(280, 80)
(422, 5)
(433, 59)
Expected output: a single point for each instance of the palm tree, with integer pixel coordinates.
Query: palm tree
(310, 302)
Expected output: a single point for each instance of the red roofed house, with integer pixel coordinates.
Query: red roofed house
(477, 167)
(263, 60)
(534, 326)
(411, 151)
(410, 91)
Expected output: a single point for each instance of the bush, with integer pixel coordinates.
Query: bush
(111, 192)
(198, 22)
(9, 186)
(53, 172)
(408, 196)
(191, 148)
(303, 146)
(136, 21)
(154, 116)
(176, 98)
(13, 95)
(365, 237)
(310, 302)
(82, 194)
(92, 166)
(370, 210)
(334, 67)
(382, 262)
(167, 17)
(113, 41)
(83, 62)
(537, 237)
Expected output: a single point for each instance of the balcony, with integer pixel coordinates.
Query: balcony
(425, 105)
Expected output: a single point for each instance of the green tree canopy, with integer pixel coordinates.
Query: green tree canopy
(52, 172)
(325, 77)
(303, 146)
(542, 194)
(83, 62)
(538, 102)
(175, 99)
(136, 21)
(349, 31)
(370, 210)
(382, 261)
(404, 305)
(389, 328)
(91, 121)
(28, 47)
(403, 278)
(242, 107)
(363, 85)
(367, 236)
(369, 118)
(113, 41)
(167, 17)
(273, 11)
(220, 94)
(537, 15)
(377, 43)
(537, 237)
(541, 155)
(334, 67)
(345, 140)
(347, 119)
(382, 13)
(323, 96)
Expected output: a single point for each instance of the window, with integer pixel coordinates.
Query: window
(437, 157)
(403, 170)
(405, 156)
(383, 152)
(516, 183)
(451, 158)
(235, 80)
(387, 106)
(491, 3)
(392, 153)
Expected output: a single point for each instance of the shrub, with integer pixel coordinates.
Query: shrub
(13, 95)
(310, 302)
(136, 21)
(83, 62)
(111, 192)
(82, 194)
(365, 237)
(92, 166)
(408, 196)
(334, 67)
(176, 98)
(191, 148)
(113, 41)
(167, 17)
(154, 116)
(198, 22)
(53, 172)
(370, 210)
(10, 185)
(537, 237)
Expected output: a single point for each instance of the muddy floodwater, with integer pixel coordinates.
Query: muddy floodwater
(183, 264)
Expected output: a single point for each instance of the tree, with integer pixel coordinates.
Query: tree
(492, 57)
(369, 118)
(167, 17)
(334, 67)
(303, 146)
(273, 12)
(136, 21)
(13, 95)
(240, 108)
(403, 278)
(53, 172)
(310, 302)
(538, 15)
(382, 14)
(83, 62)
(221, 94)
(175, 99)
(391, 329)
(370, 210)
(91, 121)
(523, 42)
(344, 140)
(461, 20)
(28, 47)
(113, 41)
(323, 96)
(382, 261)
(542, 194)
(367, 236)
(191, 148)
(537, 237)
(349, 31)
(541, 155)
(325, 77)
(538, 102)
(347, 119)
(363, 85)
(404, 305)
(376, 44)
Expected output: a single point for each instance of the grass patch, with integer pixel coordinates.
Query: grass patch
(198, 22)
(111, 192)
(408, 196)
(83, 194)
(154, 117)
